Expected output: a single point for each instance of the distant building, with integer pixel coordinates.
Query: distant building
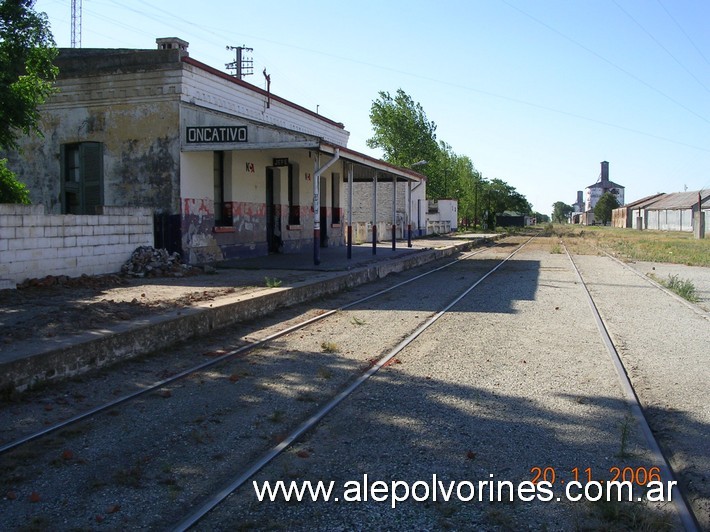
(578, 206)
(633, 213)
(676, 211)
(603, 185)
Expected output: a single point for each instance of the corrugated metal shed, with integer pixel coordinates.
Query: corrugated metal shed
(624, 216)
(680, 200)
(644, 202)
(677, 212)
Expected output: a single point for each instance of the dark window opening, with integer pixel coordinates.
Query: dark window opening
(335, 198)
(222, 209)
(294, 209)
(82, 166)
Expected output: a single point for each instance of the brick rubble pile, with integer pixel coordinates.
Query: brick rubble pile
(147, 261)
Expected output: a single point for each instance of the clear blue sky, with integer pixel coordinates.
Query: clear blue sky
(536, 93)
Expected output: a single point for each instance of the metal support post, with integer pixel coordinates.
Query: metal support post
(394, 212)
(374, 214)
(316, 211)
(350, 211)
(409, 214)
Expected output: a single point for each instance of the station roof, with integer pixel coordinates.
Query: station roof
(365, 166)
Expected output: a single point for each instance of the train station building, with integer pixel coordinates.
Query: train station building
(229, 170)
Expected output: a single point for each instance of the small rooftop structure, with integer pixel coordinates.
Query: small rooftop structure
(172, 43)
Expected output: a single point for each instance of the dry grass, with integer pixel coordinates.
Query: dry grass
(630, 244)
(683, 287)
(329, 347)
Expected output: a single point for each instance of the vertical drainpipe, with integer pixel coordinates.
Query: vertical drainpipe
(394, 212)
(409, 214)
(317, 172)
(350, 211)
(316, 210)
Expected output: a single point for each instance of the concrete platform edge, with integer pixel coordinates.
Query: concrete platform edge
(164, 331)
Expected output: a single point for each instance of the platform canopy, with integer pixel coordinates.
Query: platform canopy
(365, 166)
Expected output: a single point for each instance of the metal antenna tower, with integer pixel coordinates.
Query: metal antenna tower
(75, 17)
(242, 66)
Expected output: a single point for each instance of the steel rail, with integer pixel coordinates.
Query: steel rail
(215, 361)
(211, 503)
(686, 515)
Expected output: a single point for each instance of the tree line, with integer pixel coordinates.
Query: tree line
(407, 137)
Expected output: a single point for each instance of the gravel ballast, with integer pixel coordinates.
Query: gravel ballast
(514, 378)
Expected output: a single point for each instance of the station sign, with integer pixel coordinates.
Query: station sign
(215, 134)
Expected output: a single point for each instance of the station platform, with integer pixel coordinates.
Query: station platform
(54, 332)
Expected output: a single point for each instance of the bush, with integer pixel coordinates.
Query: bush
(12, 190)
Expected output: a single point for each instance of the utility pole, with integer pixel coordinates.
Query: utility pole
(75, 21)
(242, 66)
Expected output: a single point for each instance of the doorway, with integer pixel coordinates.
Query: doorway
(273, 218)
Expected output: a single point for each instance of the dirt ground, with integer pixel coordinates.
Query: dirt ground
(52, 309)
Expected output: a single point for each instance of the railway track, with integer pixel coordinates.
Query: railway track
(296, 405)
(682, 507)
(312, 421)
(222, 358)
(77, 423)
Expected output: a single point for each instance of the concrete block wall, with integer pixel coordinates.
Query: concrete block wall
(362, 201)
(34, 244)
(362, 231)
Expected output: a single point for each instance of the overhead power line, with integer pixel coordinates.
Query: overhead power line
(683, 32)
(660, 45)
(214, 31)
(609, 62)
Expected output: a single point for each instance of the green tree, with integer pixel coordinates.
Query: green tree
(27, 75)
(500, 197)
(402, 131)
(11, 190)
(603, 208)
(405, 135)
(560, 211)
(27, 71)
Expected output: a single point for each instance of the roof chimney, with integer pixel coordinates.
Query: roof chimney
(580, 197)
(605, 171)
(172, 43)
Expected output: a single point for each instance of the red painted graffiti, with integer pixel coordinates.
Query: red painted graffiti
(204, 208)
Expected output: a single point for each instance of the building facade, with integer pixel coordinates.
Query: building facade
(595, 191)
(228, 169)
